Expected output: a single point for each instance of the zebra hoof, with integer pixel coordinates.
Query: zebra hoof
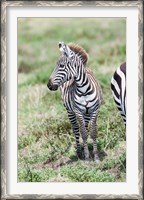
(79, 155)
(97, 159)
(87, 160)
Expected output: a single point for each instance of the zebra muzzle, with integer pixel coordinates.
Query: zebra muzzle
(52, 86)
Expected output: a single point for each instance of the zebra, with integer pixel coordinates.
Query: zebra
(118, 87)
(81, 94)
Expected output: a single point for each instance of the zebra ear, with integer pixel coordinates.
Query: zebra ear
(66, 51)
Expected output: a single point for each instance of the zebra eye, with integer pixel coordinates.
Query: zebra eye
(62, 66)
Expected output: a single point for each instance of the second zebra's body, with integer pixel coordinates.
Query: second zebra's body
(80, 92)
(118, 86)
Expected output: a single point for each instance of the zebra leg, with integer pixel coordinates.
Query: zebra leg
(84, 134)
(86, 122)
(93, 131)
(75, 127)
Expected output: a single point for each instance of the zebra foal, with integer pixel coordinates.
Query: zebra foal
(118, 86)
(80, 92)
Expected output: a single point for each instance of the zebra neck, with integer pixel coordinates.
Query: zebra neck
(82, 82)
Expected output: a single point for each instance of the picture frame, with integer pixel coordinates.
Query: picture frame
(5, 102)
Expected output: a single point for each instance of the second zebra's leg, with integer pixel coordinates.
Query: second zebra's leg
(84, 134)
(75, 127)
(93, 131)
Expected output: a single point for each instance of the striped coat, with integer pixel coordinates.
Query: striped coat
(81, 94)
(118, 86)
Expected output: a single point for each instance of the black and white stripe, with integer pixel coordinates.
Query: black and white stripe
(118, 86)
(80, 92)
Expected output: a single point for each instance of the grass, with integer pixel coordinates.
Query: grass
(46, 144)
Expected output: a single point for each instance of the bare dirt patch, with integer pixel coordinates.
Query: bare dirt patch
(59, 161)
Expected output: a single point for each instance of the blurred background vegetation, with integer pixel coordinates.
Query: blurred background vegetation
(46, 145)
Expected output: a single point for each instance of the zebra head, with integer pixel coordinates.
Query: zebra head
(65, 68)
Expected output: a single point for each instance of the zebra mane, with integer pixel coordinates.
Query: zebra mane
(79, 51)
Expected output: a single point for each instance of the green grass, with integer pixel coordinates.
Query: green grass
(46, 144)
